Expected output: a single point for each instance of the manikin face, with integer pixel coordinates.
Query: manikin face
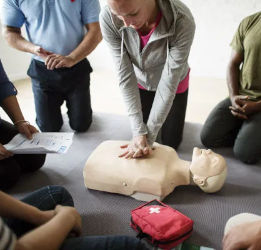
(206, 163)
(208, 169)
(133, 13)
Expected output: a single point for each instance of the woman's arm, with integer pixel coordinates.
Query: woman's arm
(10, 105)
(55, 224)
(52, 234)
(11, 207)
(176, 63)
(233, 72)
(241, 106)
(12, 108)
(127, 79)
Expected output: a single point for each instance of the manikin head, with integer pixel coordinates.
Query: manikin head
(208, 170)
(134, 13)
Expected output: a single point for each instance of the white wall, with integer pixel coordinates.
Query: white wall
(15, 62)
(216, 22)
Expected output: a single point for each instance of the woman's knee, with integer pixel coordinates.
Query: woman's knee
(207, 138)
(39, 162)
(30, 163)
(246, 153)
(61, 195)
(10, 173)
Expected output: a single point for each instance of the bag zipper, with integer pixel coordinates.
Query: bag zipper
(157, 242)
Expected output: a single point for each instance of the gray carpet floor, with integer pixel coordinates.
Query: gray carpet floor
(105, 213)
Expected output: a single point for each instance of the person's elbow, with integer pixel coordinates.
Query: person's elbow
(5, 33)
(235, 60)
(98, 35)
(10, 33)
(20, 246)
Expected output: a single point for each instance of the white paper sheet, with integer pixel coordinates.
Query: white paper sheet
(41, 143)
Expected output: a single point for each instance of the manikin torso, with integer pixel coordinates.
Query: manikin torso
(155, 176)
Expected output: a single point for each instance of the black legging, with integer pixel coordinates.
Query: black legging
(172, 129)
(12, 167)
(222, 129)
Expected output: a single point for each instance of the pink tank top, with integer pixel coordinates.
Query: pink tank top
(183, 85)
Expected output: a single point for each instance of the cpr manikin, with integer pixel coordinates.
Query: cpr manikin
(155, 176)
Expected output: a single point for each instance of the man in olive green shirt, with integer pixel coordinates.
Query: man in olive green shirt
(236, 121)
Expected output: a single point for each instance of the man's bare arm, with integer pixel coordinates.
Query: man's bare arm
(15, 39)
(88, 44)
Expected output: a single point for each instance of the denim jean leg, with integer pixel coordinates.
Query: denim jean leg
(48, 108)
(48, 197)
(78, 102)
(45, 198)
(104, 243)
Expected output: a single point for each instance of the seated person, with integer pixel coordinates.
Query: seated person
(236, 121)
(46, 223)
(11, 166)
(243, 231)
(155, 176)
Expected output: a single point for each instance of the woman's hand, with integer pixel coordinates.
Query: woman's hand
(4, 153)
(244, 107)
(26, 129)
(137, 148)
(43, 217)
(71, 212)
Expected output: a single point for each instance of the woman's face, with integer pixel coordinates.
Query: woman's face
(132, 12)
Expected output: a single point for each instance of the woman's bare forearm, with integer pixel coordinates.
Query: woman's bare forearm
(48, 236)
(11, 207)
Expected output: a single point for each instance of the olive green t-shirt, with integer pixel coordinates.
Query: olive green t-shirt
(247, 40)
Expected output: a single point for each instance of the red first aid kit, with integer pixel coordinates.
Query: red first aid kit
(160, 224)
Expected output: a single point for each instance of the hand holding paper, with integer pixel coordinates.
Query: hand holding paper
(41, 143)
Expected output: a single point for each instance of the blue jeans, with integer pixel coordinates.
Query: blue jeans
(46, 199)
(52, 87)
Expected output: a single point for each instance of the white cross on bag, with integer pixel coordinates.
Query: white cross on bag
(155, 210)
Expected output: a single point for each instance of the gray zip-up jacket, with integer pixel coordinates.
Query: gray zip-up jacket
(159, 66)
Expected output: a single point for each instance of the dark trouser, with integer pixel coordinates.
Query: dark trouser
(172, 129)
(52, 87)
(222, 129)
(46, 199)
(12, 167)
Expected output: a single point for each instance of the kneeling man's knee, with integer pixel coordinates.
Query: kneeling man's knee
(81, 125)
